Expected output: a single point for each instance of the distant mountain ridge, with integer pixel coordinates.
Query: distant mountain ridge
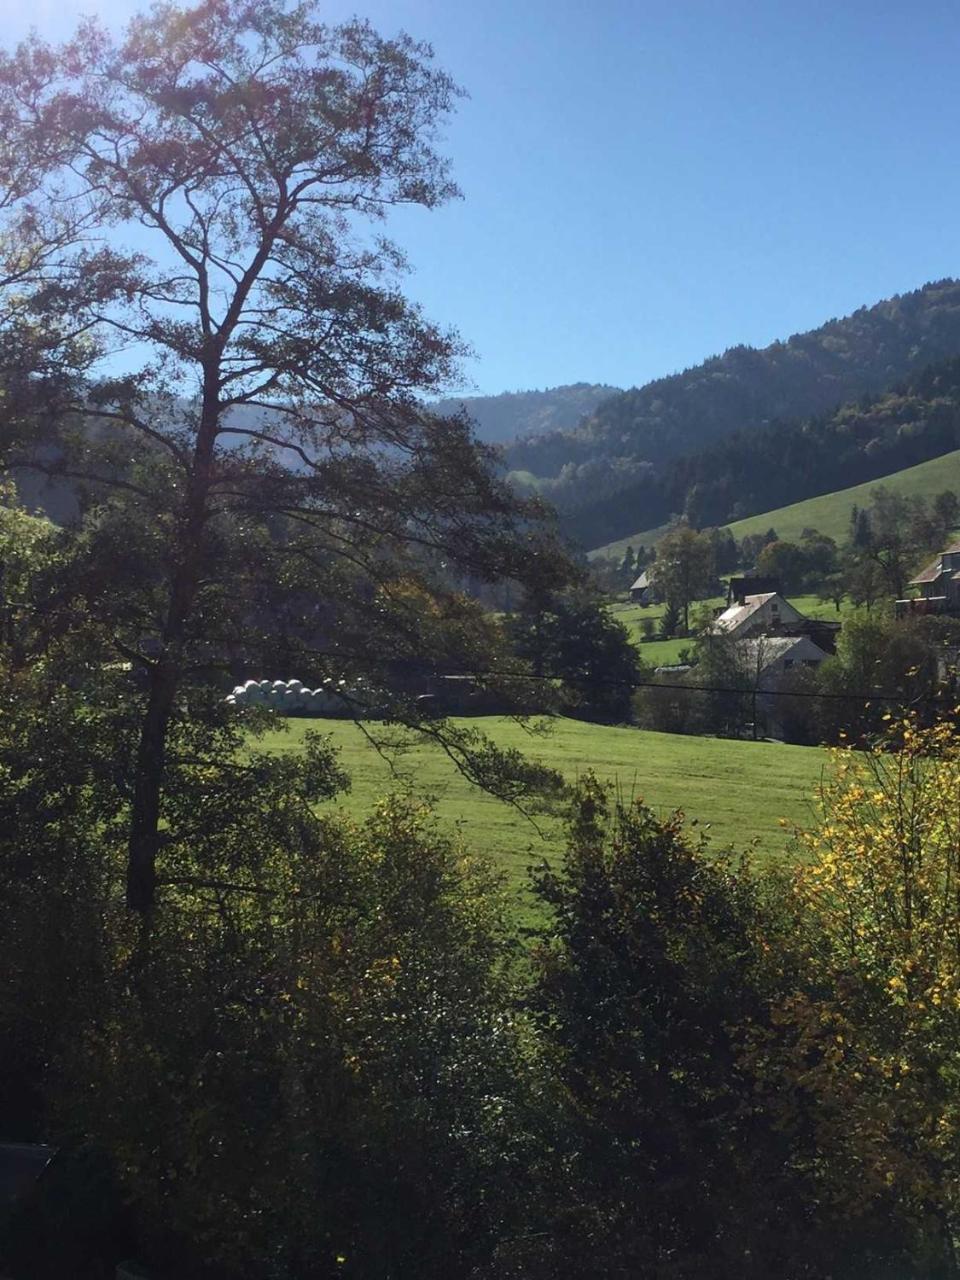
(787, 462)
(638, 431)
(513, 415)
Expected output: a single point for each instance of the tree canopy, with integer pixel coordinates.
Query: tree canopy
(260, 479)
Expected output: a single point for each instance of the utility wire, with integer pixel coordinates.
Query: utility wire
(429, 668)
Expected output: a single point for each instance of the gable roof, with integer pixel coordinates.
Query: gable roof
(936, 567)
(736, 614)
(930, 574)
(766, 650)
(642, 583)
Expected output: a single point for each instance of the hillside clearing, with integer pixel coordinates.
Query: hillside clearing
(830, 513)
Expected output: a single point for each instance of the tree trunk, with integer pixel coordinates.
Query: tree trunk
(165, 676)
(144, 838)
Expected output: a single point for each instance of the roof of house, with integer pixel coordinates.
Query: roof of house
(764, 651)
(642, 583)
(736, 614)
(935, 568)
(930, 574)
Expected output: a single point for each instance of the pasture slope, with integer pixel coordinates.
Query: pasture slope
(830, 513)
(737, 791)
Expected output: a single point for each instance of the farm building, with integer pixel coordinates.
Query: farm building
(769, 657)
(751, 585)
(938, 585)
(642, 590)
(770, 614)
(760, 615)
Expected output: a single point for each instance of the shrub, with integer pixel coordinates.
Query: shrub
(865, 1062)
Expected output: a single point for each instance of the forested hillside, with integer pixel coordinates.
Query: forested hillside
(744, 390)
(787, 462)
(516, 414)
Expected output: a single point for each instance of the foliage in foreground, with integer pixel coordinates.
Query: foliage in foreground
(865, 1053)
(728, 1088)
(295, 1066)
(323, 1054)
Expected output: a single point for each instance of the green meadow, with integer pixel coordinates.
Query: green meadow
(737, 792)
(830, 513)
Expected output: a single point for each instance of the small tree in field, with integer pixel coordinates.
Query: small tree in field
(261, 481)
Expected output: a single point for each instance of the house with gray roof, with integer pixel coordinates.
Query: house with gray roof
(938, 585)
(642, 590)
(769, 657)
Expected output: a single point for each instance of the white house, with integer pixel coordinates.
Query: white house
(769, 657)
(763, 615)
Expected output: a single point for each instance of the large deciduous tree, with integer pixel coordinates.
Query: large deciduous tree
(683, 569)
(200, 197)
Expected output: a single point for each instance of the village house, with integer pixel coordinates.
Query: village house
(938, 585)
(768, 662)
(642, 590)
(738, 588)
(769, 657)
(771, 614)
(760, 615)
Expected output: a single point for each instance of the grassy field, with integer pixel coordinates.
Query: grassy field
(829, 513)
(656, 652)
(614, 550)
(737, 790)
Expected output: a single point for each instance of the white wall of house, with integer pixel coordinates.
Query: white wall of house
(772, 657)
(768, 615)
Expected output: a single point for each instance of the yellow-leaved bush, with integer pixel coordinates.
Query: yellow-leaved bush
(862, 1055)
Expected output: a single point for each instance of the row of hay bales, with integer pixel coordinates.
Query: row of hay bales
(292, 697)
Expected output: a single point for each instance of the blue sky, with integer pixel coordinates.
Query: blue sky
(648, 183)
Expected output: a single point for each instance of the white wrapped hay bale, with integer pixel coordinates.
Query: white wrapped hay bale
(292, 697)
(323, 703)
